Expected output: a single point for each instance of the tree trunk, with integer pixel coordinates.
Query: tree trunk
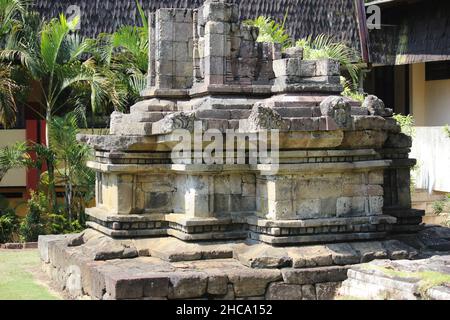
(2, 174)
(69, 195)
(50, 164)
(51, 185)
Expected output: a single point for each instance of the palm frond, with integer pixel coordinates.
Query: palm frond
(101, 48)
(130, 39)
(144, 20)
(8, 89)
(10, 13)
(72, 47)
(14, 156)
(270, 31)
(325, 47)
(52, 37)
(138, 83)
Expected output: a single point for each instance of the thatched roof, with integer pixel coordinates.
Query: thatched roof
(305, 17)
(412, 31)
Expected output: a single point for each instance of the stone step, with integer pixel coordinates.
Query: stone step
(399, 280)
(257, 255)
(223, 114)
(153, 105)
(151, 116)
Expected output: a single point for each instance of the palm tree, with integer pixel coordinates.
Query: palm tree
(66, 157)
(71, 156)
(8, 88)
(53, 58)
(125, 54)
(11, 14)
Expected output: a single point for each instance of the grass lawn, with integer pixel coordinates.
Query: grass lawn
(16, 276)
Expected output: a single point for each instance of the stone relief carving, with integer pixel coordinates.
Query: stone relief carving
(339, 109)
(177, 120)
(263, 117)
(376, 106)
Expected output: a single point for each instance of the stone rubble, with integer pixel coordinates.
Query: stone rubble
(399, 280)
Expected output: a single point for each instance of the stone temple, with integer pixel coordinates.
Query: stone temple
(332, 190)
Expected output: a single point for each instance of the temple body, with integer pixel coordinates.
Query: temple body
(342, 171)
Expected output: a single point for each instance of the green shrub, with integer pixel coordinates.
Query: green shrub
(59, 224)
(350, 92)
(406, 123)
(270, 31)
(40, 220)
(441, 206)
(9, 223)
(438, 207)
(447, 130)
(32, 225)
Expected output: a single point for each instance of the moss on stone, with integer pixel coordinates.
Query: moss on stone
(427, 279)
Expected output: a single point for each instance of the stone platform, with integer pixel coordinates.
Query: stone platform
(95, 265)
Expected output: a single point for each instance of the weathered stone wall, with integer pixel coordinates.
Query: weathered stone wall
(341, 171)
(91, 264)
(171, 47)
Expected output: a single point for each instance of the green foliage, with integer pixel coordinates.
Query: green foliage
(52, 56)
(123, 56)
(406, 123)
(41, 220)
(8, 225)
(270, 31)
(427, 279)
(447, 130)
(441, 206)
(325, 47)
(438, 207)
(33, 225)
(11, 16)
(71, 156)
(11, 157)
(59, 224)
(8, 89)
(350, 92)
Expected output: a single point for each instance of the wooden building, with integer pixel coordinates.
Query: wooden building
(410, 56)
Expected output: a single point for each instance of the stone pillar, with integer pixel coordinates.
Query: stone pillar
(196, 54)
(151, 52)
(171, 48)
(199, 196)
(217, 15)
(274, 197)
(118, 193)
